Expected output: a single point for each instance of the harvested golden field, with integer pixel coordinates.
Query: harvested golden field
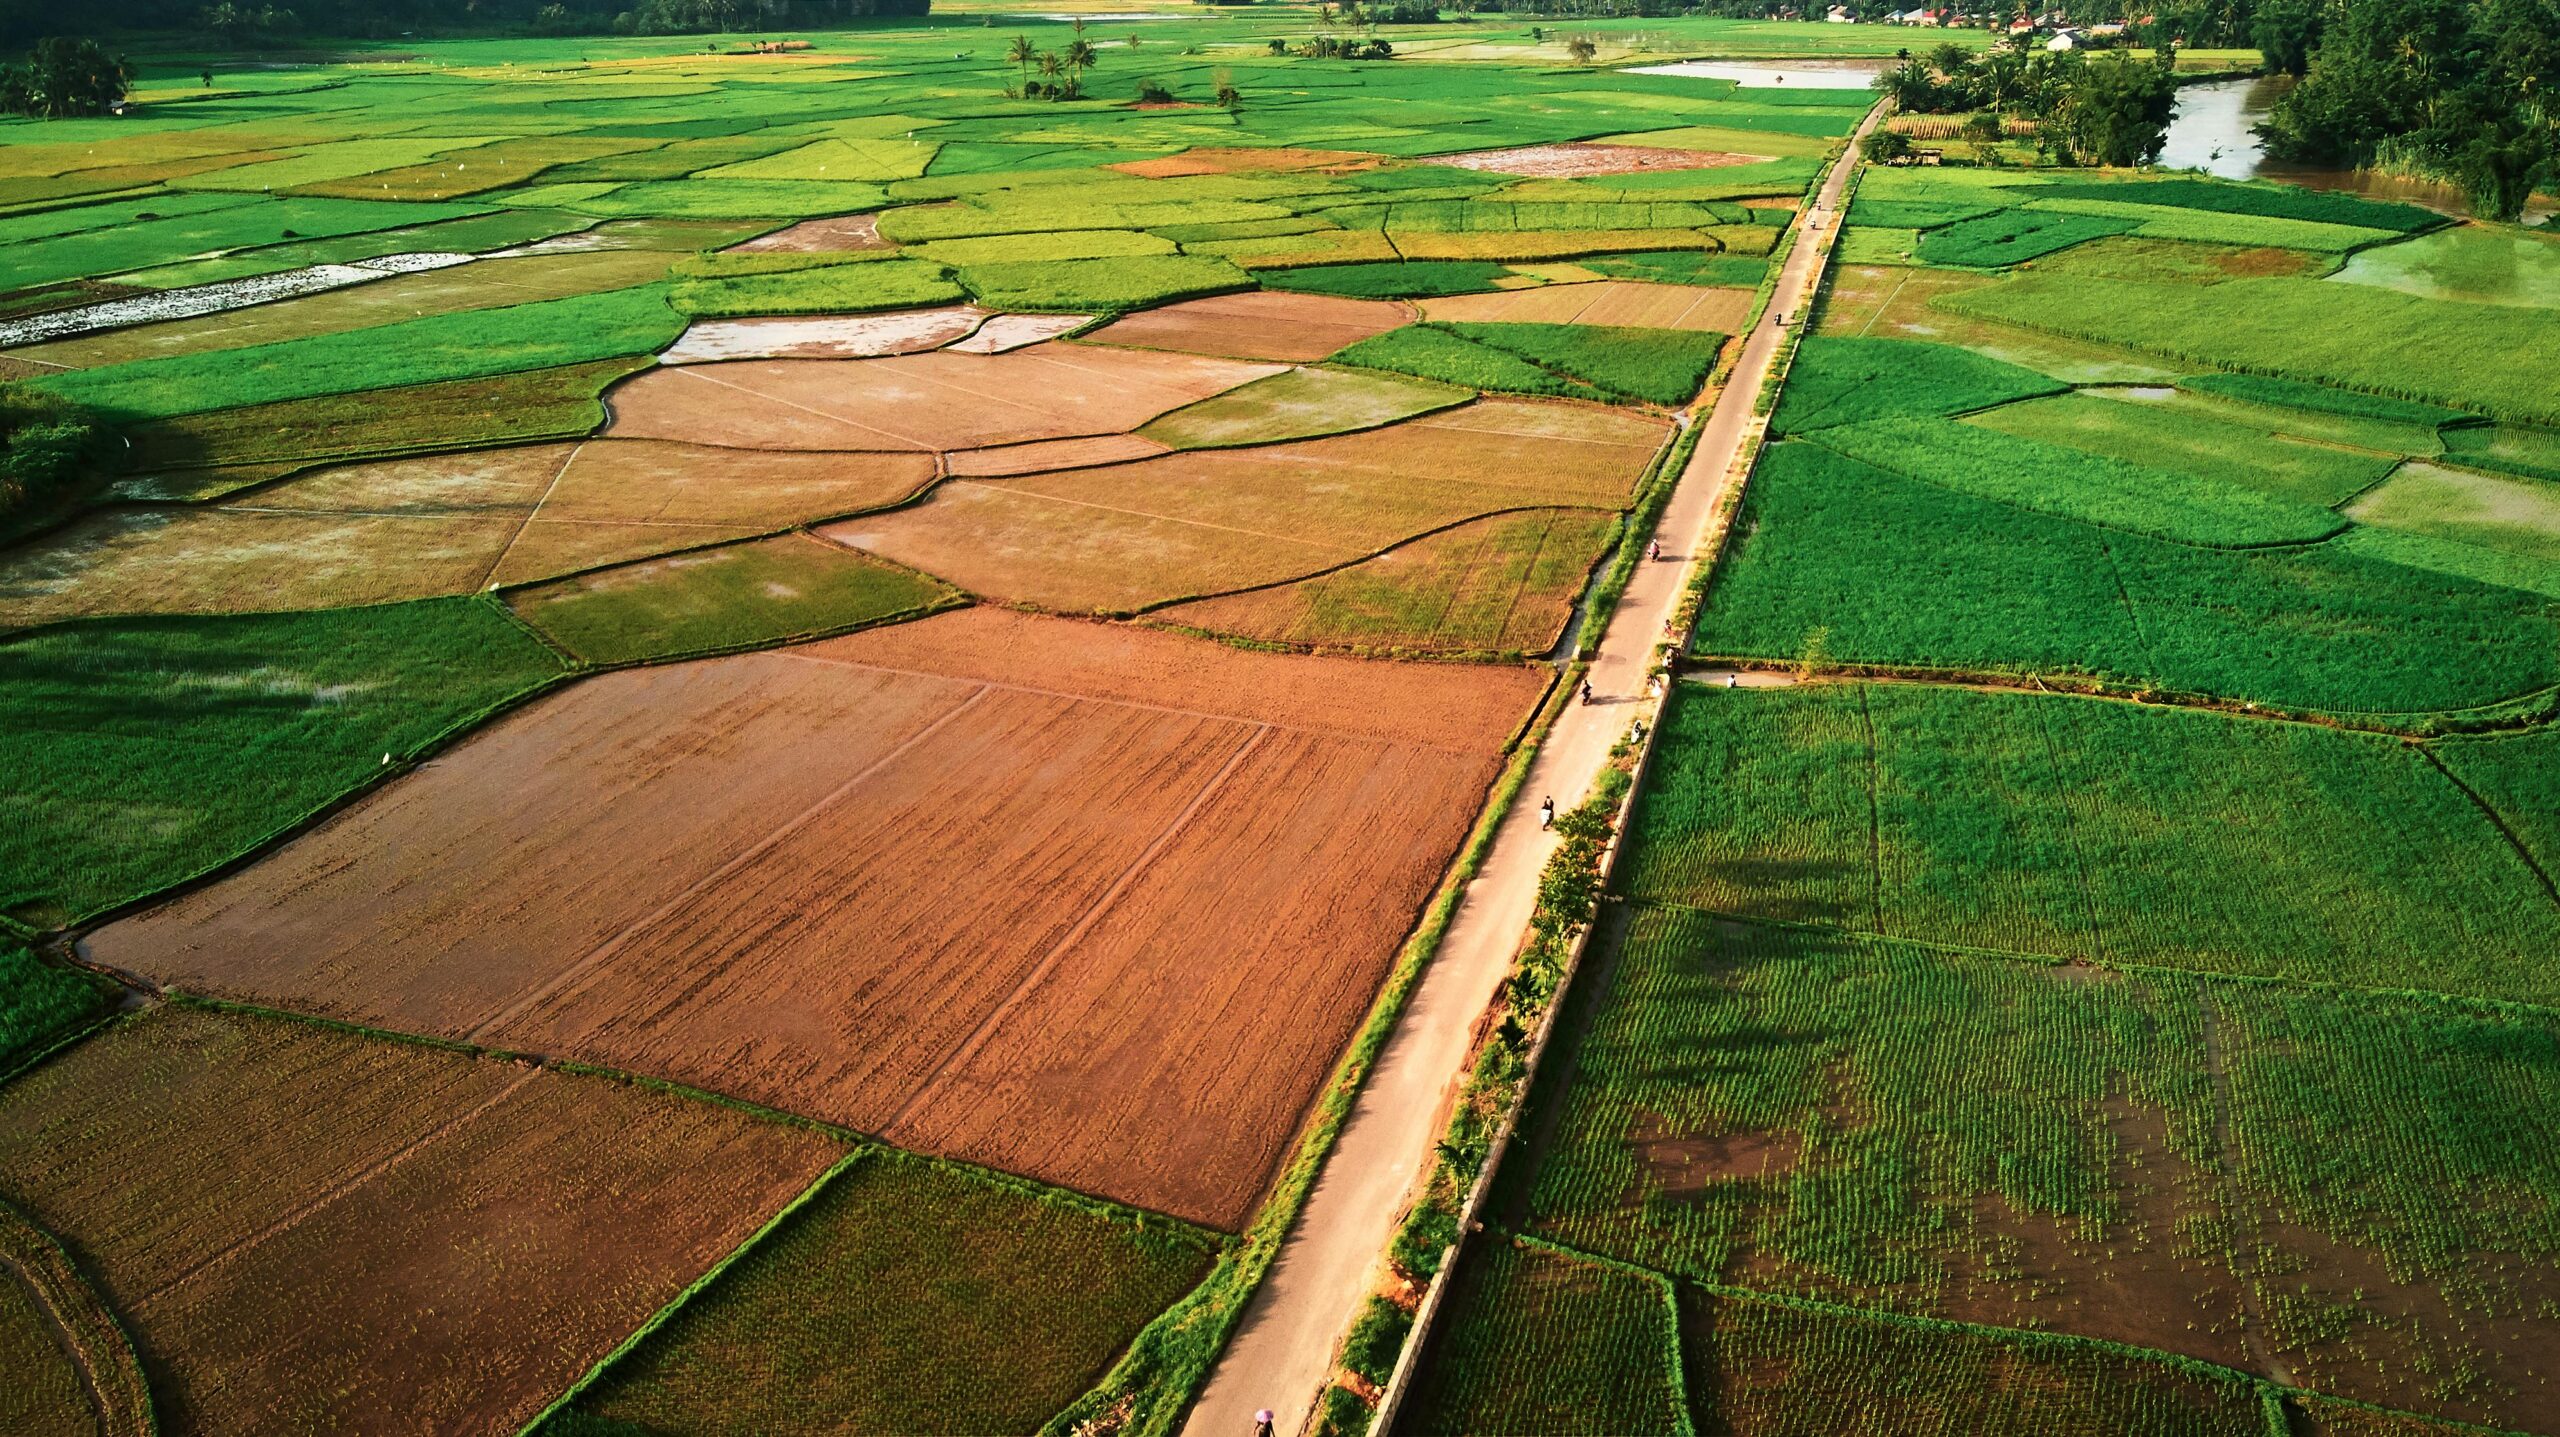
(1017, 889)
(930, 402)
(1500, 584)
(1298, 328)
(313, 1231)
(444, 524)
(1122, 538)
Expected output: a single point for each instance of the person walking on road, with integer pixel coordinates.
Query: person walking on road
(1546, 813)
(1586, 692)
(1653, 551)
(1262, 1423)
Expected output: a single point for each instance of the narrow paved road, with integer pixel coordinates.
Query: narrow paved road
(1282, 1354)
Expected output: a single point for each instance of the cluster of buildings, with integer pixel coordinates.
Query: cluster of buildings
(2054, 31)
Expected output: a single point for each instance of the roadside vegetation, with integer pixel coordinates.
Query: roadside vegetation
(2139, 827)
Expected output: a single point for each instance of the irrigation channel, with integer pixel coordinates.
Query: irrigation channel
(1281, 1357)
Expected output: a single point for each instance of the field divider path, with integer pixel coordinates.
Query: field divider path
(568, 976)
(340, 1189)
(968, 1047)
(43, 1269)
(1281, 1355)
(907, 440)
(488, 579)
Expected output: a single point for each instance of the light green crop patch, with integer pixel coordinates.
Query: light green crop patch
(469, 345)
(1064, 244)
(820, 289)
(1090, 285)
(741, 596)
(871, 160)
(329, 162)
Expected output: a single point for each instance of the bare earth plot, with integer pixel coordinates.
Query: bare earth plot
(921, 402)
(311, 1231)
(1299, 328)
(1119, 538)
(1095, 905)
(443, 524)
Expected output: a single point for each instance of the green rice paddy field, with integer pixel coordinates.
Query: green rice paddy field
(442, 377)
(2095, 977)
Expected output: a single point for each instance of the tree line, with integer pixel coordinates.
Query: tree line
(2456, 90)
(264, 23)
(2105, 109)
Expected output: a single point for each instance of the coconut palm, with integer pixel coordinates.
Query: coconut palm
(1021, 53)
(1051, 67)
(1081, 56)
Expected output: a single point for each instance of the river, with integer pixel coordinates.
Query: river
(2213, 131)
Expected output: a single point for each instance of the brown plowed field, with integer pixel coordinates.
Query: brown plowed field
(1047, 454)
(850, 879)
(935, 401)
(310, 1231)
(1118, 538)
(689, 760)
(1638, 303)
(443, 524)
(1228, 979)
(1293, 327)
(1394, 703)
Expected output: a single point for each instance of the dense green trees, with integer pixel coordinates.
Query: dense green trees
(64, 76)
(2115, 110)
(2107, 109)
(263, 22)
(47, 449)
(2455, 89)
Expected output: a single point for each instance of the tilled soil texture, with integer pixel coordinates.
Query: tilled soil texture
(1299, 328)
(1096, 905)
(1573, 160)
(312, 1231)
(446, 524)
(1120, 538)
(923, 402)
(1638, 303)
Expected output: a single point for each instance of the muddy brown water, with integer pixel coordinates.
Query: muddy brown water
(2214, 130)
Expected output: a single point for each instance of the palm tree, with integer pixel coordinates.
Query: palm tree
(1021, 54)
(1050, 68)
(1080, 57)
